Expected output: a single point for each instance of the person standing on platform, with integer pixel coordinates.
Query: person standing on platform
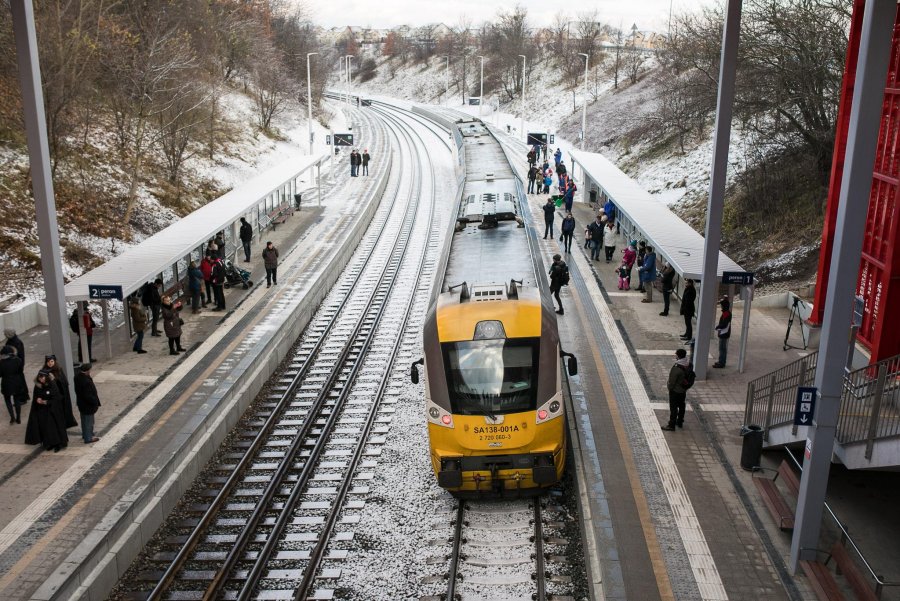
(549, 213)
(609, 239)
(139, 323)
(648, 275)
(568, 231)
(220, 245)
(641, 255)
(353, 163)
(557, 157)
(13, 340)
(532, 176)
(629, 256)
(668, 286)
(595, 230)
(610, 209)
(246, 234)
(569, 196)
(206, 266)
(365, 162)
(12, 383)
(172, 322)
(723, 331)
(688, 298)
(89, 325)
(195, 282)
(61, 384)
(46, 420)
(532, 157)
(548, 181)
(270, 260)
(152, 297)
(217, 277)
(677, 384)
(88, 402)
(559, 277)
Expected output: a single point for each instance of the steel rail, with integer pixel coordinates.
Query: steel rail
(301, 592)
(455, 553)
(540, 575)
(186, 550)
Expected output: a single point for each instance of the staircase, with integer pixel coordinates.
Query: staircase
(868, 429)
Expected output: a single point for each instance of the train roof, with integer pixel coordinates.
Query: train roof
(484, 156)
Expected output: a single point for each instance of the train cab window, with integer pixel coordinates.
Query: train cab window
(492, 377)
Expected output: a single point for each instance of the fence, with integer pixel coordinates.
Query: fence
(771, 398)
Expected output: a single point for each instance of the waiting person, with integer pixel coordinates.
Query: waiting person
(623, 273)
(532, 157)
(688, 298)
(532, 176)
(596, 231)
(152, 298)
(88, 402)
(139, 323)
(195, 280)
(610, 209)
(62, 385)
(270, 260)
(549, 213)
(668, 286)
(677, 389)
(641, 255)
(46, 420)
(212, 247)
(629, 256)
(609, 240)
(568, 230)
(206, 266)
(557, 157)
(365, 162)
(559, 277)
(723, 331)
(217, 279)
(220, 245)
(569, 196)
(171, 314)
(13, 340)
(648, 275)
(561, 168)
(88, 328)
(353, 163)
(12, 383)
(548, 181)
(246, 235)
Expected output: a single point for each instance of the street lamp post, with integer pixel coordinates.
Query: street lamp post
(584, 106)
(523, 98)
(341, 77)
(447, 77)
(349, 75)
(481, 88)
(309, 101)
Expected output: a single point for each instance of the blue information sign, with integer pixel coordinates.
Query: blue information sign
(744, 278)
(806, 405)
(104, 292)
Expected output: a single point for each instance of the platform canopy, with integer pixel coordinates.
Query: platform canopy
(144, 262)
(672, 238)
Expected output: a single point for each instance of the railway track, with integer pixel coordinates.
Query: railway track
(271, 514)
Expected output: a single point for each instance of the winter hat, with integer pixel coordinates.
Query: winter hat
(724, 303)
(10, 332)
(48, 357)
(85, 367)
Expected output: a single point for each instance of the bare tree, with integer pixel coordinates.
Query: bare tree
(269, 89)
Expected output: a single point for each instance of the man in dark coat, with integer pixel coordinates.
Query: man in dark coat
(14, 341)
(152, 297)
(688, 300)
(270, 260)
(559, 274)
(723, 331)
(12, 383)
(677, 390)
(354, 161)
(532, 177)
(668, 286)
(365, 162)
(246, 235)
(88, 402)
(61, 383)
(217, 279)
(88, 324)
(46, 420)
(549, 214)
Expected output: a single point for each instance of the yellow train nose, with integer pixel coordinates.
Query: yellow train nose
(503, 432)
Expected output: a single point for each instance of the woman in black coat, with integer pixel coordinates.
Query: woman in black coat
(12, 383)
(62, 384)
(688, 300)
(46, 421)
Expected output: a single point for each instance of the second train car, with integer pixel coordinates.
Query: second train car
(492, 364)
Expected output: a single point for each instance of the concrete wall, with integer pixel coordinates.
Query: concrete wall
(28, 315)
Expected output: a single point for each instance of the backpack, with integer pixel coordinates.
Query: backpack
(690, 376)
(564, 278)
(147, 294)
(73, 321)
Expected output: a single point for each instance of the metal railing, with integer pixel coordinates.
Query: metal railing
(880, 582)
(771, 398)
(870, 404)
(870, 400)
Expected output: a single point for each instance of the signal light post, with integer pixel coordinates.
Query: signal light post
(522, 56)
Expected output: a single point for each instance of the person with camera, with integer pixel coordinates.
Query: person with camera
(172, 322)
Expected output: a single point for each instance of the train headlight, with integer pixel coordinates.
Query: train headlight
(554, 406)
(438, 416)
(434, 413)
(489, 330)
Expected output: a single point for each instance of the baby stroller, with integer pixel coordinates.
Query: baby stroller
(235, 276)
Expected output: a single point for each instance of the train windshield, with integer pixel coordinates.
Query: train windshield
(492, 377)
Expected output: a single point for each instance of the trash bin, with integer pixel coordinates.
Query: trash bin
(297, 200)
(593, 196)
(751, 448)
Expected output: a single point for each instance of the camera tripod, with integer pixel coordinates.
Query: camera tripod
(795, 313)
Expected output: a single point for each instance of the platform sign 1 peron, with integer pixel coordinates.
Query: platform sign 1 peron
(343, 139)
(742, 278)
(104, 292)
(805, 406)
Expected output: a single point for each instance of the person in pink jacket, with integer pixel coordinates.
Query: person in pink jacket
(629, 255)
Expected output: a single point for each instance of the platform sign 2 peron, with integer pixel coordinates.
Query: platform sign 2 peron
(806, 405)
(104, 292)
(343, 139)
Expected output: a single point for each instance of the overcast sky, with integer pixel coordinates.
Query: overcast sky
(646, 14)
